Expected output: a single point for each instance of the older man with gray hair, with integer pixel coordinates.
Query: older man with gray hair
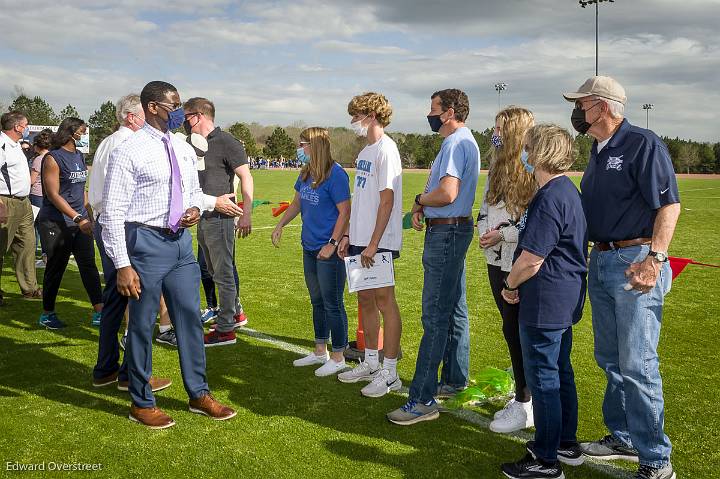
(631, 202)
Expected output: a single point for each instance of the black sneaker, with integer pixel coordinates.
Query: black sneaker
(168, 337)
(570, 455)
(647, 472)
(609, 448)
(530, 468)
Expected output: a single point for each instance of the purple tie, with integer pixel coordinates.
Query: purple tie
(176, 198)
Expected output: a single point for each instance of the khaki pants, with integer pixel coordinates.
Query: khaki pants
(18, 236)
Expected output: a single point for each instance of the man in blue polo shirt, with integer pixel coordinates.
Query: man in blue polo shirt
(446, 206)
(631, 204)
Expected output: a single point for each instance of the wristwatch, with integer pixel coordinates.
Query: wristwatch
(77, 219)
(660, 256)
(507, 286)
(417, 199)
(333, 242)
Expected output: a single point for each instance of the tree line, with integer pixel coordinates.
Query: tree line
(416, 150)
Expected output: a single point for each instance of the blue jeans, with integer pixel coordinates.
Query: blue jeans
(325, 280)
(446, 331)
(550, 376)
(626, 325)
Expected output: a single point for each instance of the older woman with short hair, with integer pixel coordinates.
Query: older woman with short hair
(548, 280)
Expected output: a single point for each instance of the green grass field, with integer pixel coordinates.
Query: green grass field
(292, 424)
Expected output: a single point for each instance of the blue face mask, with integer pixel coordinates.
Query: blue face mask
(302, 157)
(496, 140)
(175, 118)
(26, 132)
(524, 159)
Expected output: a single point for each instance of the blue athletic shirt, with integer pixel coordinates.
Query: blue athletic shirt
(318, 206)
(73, 174)
(555, 229)
(624, 185)
(459, 156)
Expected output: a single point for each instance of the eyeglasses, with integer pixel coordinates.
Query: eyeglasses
(190, 115)
(172, 106)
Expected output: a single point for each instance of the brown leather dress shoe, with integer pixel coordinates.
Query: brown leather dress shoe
(106, 381)
(208, 406)
(151, 417)
(157, 384)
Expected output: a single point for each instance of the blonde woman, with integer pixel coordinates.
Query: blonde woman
(322, 197)
(508, 191)
(548, 280)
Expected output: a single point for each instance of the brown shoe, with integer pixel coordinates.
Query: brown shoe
(106, 381)
(157, 384)
(37, 294)
(208, 406)
(151, 417)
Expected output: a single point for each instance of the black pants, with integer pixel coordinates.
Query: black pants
(208, 283)
(60, 241)
(511, 331)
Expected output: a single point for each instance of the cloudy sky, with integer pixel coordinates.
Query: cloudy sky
(280, 62)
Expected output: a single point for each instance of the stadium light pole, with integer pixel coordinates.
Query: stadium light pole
(647, 107)
(585, 3)
(499, 87)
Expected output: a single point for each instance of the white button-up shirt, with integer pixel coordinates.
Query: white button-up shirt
(100, 166)
(137, 187)
(14, 168)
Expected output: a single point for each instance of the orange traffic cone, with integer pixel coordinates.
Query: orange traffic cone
(360, 334)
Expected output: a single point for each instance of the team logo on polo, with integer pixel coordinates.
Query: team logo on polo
(615, 163)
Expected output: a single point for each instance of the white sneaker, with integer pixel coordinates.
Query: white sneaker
(381, 385)
(329, 368)
(517, 416)
(361, 372)
(502, 411)
(311, 359)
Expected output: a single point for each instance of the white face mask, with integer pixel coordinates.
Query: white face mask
(358, 128)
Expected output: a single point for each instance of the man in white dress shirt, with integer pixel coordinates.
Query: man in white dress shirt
(17, 232)
(152, 195)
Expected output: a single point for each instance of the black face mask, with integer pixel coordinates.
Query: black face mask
(435, 122)
(187, 127)
(579, 119)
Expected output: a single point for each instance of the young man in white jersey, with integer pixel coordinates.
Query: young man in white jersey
(376, 227)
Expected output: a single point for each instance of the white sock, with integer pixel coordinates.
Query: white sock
(371, 357)
(164, 328)
(391, 366)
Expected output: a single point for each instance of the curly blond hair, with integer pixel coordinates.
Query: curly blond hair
(509, 181)
(550, 148)
(371, 103)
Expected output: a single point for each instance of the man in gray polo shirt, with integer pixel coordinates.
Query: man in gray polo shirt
(224, 159)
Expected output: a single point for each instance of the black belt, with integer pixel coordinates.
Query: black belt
(165, 231)
(13, 197)
(457, 220)
(215, 214)
(607, 246)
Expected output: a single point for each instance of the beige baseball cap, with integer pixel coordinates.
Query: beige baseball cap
(602, 86)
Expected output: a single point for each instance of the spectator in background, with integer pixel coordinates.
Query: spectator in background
(548, 280)
(322, 198)
(41, 144)
(27, 150)
(17, 232)
(508, 191)
(64, 222)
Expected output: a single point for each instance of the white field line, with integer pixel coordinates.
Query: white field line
(464, 414)
(701, 189)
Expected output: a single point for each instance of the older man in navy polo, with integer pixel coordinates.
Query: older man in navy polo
(632, 204)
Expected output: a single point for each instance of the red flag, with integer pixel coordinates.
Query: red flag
(678, 265)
